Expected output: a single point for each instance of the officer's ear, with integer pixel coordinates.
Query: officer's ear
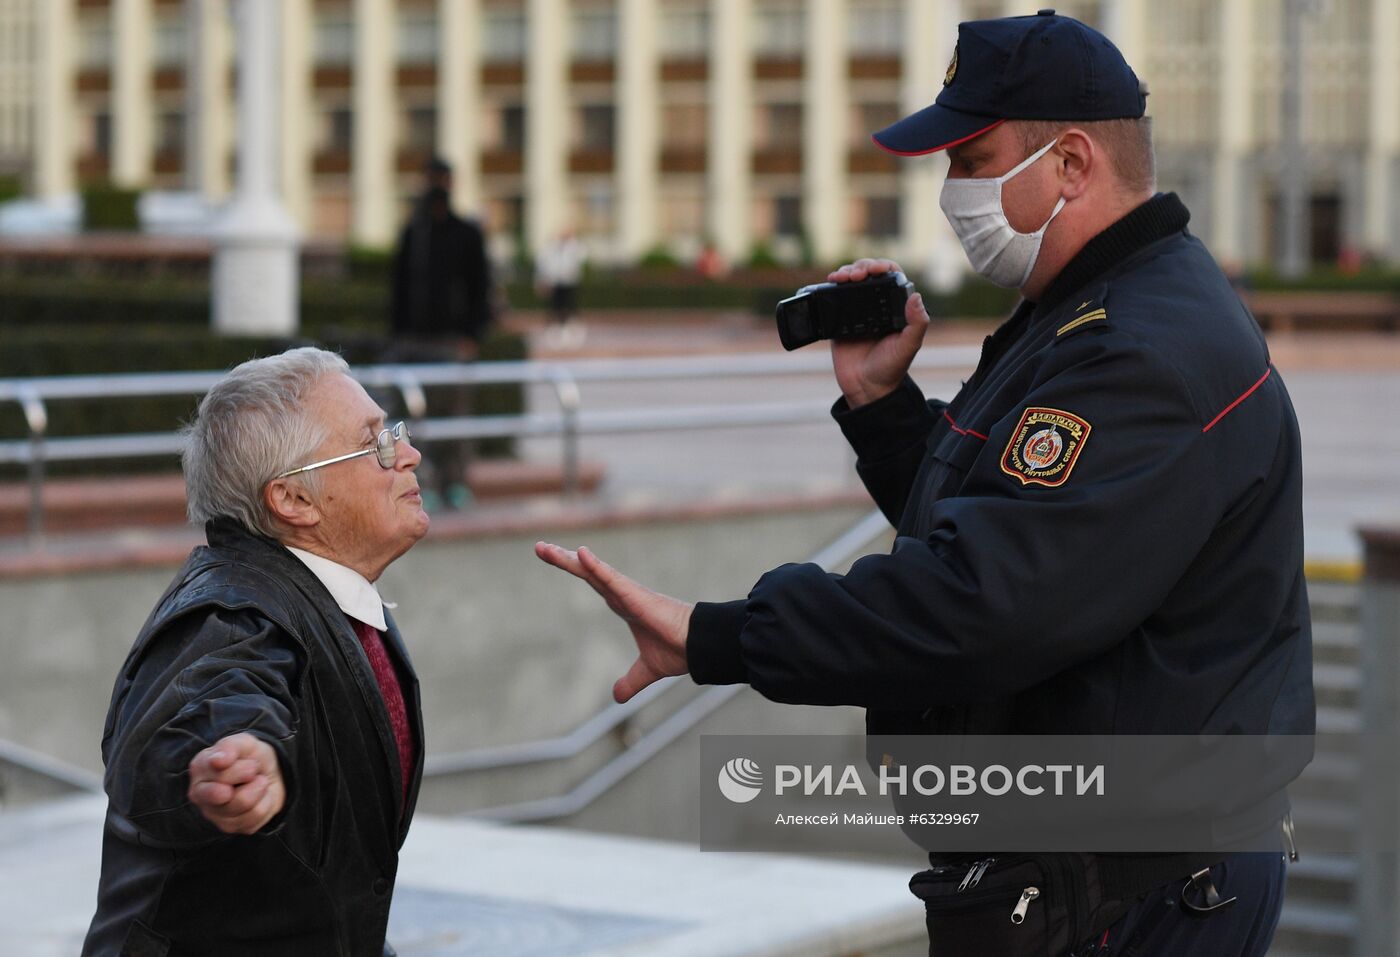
(289, 502)
(1078, 161)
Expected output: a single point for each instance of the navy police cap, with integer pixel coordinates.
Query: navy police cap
(1045, 67)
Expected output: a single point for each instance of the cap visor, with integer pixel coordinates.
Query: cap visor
(932, 129)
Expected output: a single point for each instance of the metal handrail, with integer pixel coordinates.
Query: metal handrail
(44, 766)
(648, 745)
(571, 422)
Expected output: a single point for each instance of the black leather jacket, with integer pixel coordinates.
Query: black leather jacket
(247, 639)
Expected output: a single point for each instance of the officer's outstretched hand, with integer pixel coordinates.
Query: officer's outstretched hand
(237, 784)
(659, 624)
(869, 369)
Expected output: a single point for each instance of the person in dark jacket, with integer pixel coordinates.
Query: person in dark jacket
(443, 306)
(1100, 534)
(265, 739)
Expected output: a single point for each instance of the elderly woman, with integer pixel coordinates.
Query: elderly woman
(264, 742)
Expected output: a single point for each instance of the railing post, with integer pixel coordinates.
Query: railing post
(570, 401)
(1378, 881)
(36, 417)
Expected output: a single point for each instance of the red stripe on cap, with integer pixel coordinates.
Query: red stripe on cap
(945, 146)
(962, 431)
(1230, 408)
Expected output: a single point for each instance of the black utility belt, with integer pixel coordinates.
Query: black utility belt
(1042, 905)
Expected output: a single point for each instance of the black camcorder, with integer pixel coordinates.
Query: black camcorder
(868, 309)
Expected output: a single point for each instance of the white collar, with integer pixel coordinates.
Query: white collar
(354, 593)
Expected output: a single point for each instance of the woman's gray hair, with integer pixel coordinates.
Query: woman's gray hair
(251, 427)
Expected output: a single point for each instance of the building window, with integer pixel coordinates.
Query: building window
(780, 30)
(595, 132)
(880, 218)
(594, 209)
(505, 214)
(102, 133)
(503, 128)
(337, 130)
(685, 32)
(875, 27)
(870, 117)
(420, 129)
(504, 37)
(683, 212)
(95, 42)
(418, 36)
(685, 125)
(170, 42)
(334, 39)
(170, 131)
(787, 215)
(593, 34)
(779, 126)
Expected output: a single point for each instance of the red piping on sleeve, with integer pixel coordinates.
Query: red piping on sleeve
(975, 435)
(1231, 407)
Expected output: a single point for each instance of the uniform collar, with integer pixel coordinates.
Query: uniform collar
(1158, 218)
(354, 593)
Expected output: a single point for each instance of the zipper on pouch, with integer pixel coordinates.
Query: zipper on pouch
(1022, 905)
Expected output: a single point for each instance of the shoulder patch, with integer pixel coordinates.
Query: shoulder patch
(1044, 447)
(1090, 314)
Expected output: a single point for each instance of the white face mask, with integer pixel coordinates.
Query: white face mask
(995, 248)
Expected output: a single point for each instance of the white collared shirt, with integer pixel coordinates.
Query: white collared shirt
(355, 594)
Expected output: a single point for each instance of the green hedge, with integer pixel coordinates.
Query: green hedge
(110, 207)
(57, 327)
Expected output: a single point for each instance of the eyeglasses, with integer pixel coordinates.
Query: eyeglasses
(386, 447)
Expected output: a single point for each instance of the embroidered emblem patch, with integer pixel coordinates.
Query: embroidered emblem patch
(1044, 447)
(952, 68)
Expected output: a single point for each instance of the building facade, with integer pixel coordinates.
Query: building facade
(667, 124)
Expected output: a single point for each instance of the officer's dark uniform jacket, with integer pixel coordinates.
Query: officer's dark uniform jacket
(248, 639)
(1101, 533)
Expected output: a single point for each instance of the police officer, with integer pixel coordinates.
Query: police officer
(1100, 533)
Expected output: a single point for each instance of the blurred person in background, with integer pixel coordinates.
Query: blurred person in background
(558, 272)
(264, 743)
(443, 306)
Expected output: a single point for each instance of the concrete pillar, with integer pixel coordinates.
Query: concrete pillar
(297, 146)
(825, 113)
(207, 131)
(1378, 879)
(255, 257)
(930, 32)
(1125, 23)
(374, 186)
(546, 121)
(1235, 135)
(638, 147)
(54, 101)
(459, 99)
(133, 110)
(729, 164)
(1384, 146)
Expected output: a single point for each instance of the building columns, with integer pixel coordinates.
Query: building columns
(1384, 146)
(296, 147)
(133, 109)
(1125, 23)
(826, 105)
(206, 97)
(729, 163)
(1235, 134)
(638, 144)
(459, 99)
(374, 180)
(547, 206)
(55, 104)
